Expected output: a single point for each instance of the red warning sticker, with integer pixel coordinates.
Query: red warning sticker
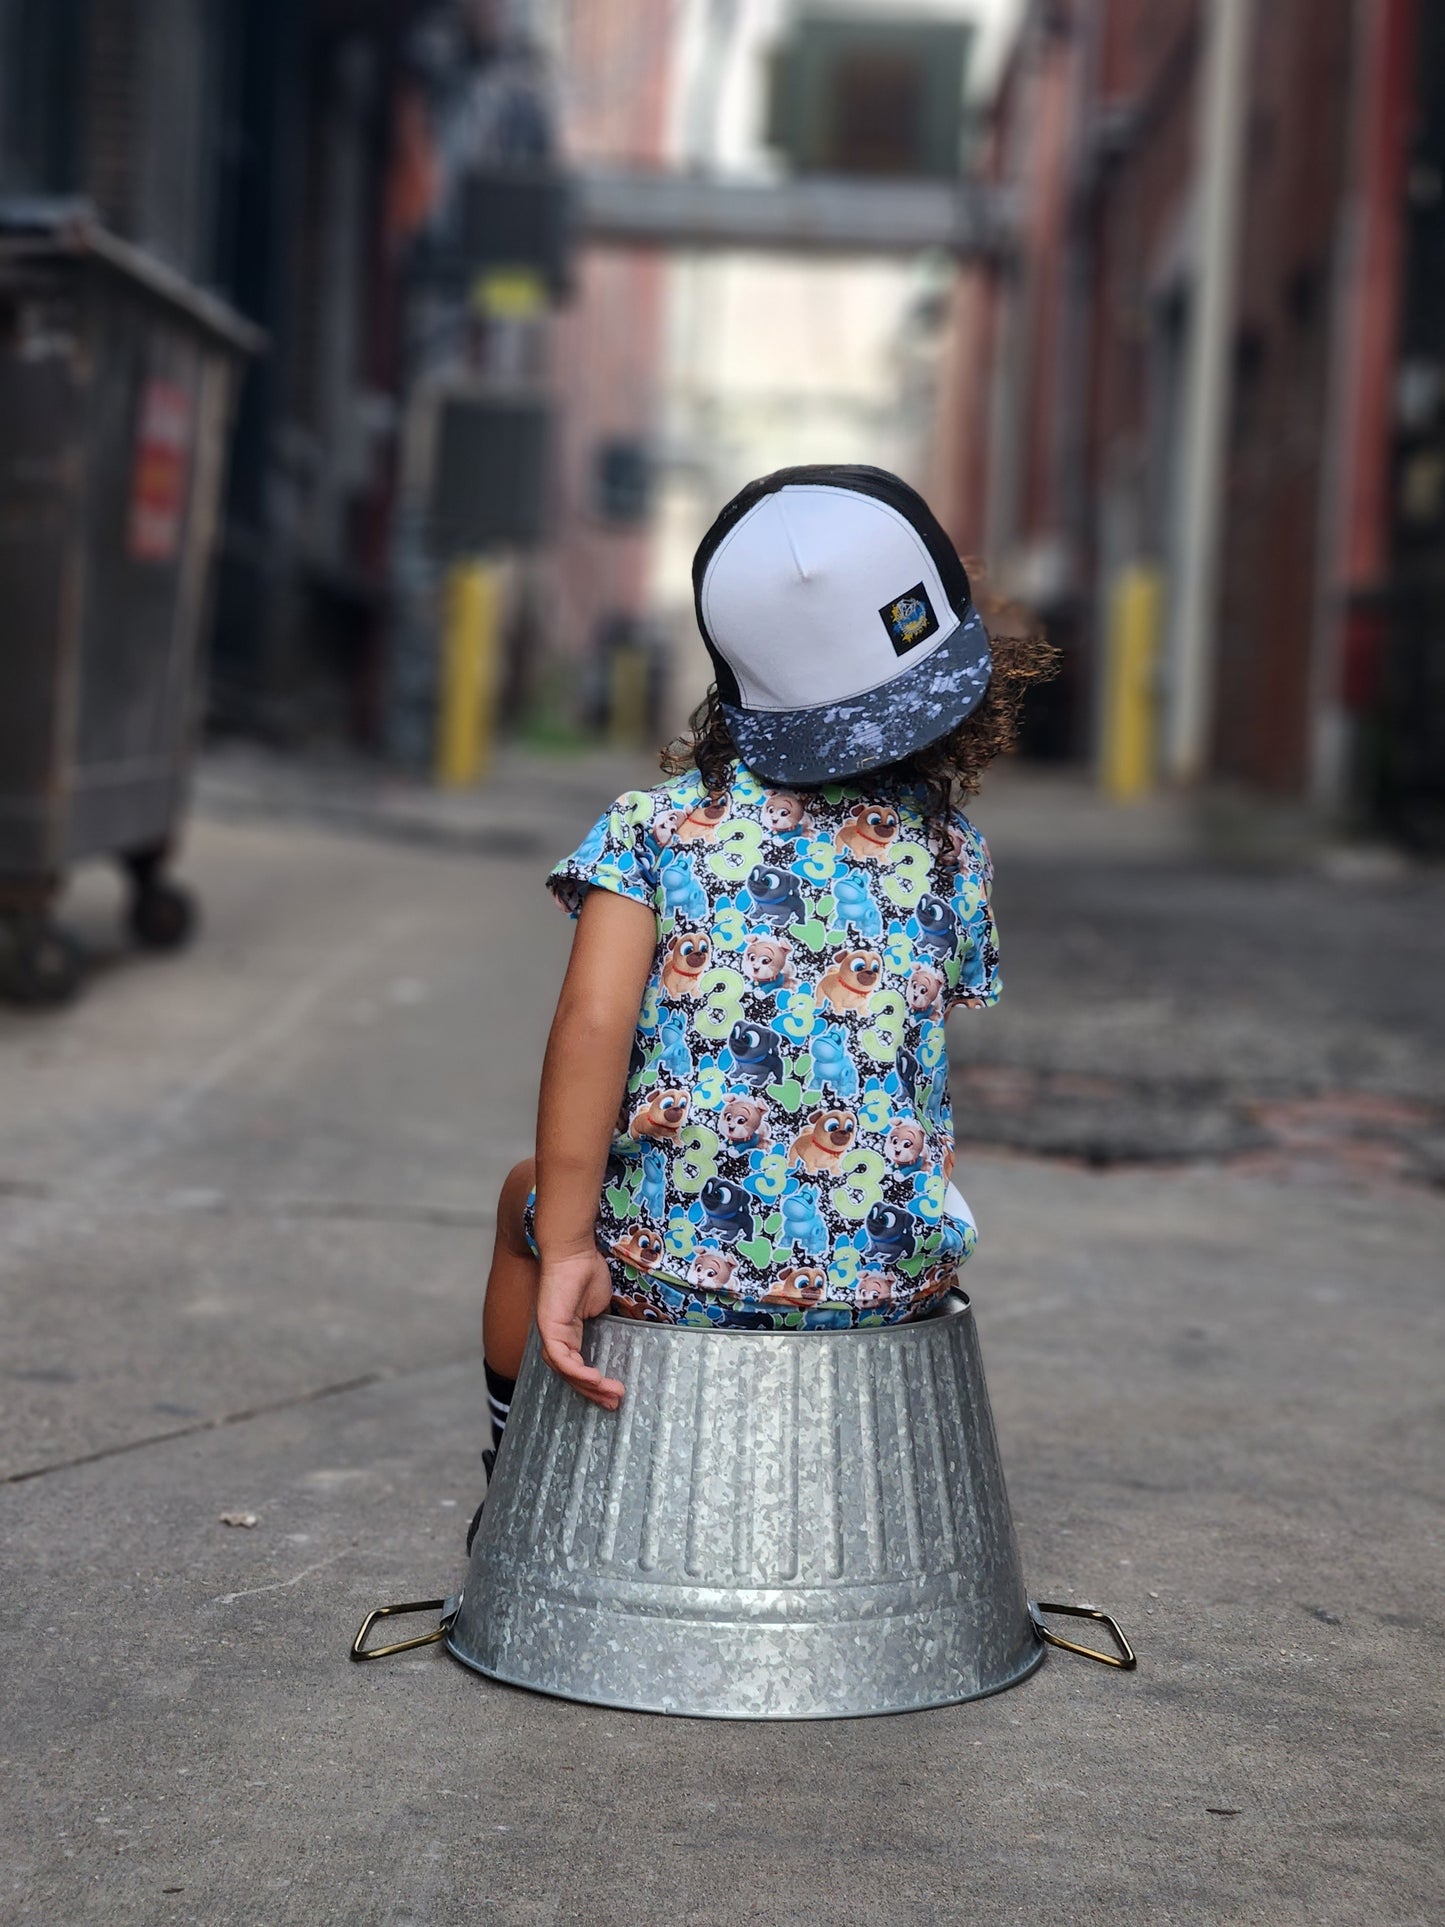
(164, 427)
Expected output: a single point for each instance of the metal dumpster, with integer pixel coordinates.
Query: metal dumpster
(116, 382)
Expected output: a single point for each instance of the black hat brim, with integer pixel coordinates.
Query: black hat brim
(832, 742)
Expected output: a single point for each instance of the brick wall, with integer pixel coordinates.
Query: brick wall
(1298, 139)
(1067, 405)
(608, 349)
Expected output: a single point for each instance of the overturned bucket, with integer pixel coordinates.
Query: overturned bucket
(774, 1526)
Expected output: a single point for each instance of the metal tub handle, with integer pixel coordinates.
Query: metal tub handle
(1125, 1659)
(447, 1608)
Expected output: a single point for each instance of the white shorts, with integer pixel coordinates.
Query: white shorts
(955, 1205)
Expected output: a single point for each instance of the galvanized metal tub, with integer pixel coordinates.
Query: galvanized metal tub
(773, 1526)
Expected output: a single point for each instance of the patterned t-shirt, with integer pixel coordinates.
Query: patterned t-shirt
(785, 1142)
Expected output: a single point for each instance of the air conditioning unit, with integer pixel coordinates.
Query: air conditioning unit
(508, 219)
(878, 96)
(490, 473)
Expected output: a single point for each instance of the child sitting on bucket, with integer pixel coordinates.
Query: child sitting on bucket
(744, 1114)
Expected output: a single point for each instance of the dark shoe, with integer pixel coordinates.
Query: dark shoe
(489, 1459)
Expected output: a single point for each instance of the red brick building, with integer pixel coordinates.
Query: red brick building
(608, 353)
(1071, 416)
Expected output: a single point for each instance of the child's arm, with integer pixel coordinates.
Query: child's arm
(583, 1075)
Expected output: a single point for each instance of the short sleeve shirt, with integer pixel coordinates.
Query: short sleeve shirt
(786, 1137)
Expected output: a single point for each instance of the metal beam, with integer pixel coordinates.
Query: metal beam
(814, 215)
(1222, 142)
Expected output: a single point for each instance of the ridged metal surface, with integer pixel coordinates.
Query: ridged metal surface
(774, 1526)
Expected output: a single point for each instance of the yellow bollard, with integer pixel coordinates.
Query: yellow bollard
(471, 660)
(1128, 760)
(627, 697)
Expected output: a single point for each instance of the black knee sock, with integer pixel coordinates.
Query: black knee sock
(499, 1401)
(499, 1405)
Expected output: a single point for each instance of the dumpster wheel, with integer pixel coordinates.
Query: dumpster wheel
(41, 965)
(162, 915)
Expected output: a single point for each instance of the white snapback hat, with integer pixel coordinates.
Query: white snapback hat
(839, 623)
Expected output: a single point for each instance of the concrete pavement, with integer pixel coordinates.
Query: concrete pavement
(244, 1209)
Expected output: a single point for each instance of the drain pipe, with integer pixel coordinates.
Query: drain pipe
(1222, 124)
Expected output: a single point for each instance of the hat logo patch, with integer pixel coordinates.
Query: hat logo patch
(909, 619)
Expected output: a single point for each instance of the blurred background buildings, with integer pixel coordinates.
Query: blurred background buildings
(1148, 295)
(442, 329)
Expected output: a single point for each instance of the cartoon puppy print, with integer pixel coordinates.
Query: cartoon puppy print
(937, 925)
(662, 1114)
(874, 1291)
(854, 908)
(640, 1247)
(850, 984)
(767, 962)
(803, 1226)
(925, 991)
(868, 831)
(800, 1285)
(820, 1145)
(785, 814)
(775, 895)
(703, 821)
(728, 1208)
(890, 1232)
(685, 957)
(712, 1271)
(757, 1053)
(830, 1065)
(936, 1280)
(664, 826)
(674, 1058)
(628, 1307)
(904, 1145)
(915, 1085)
(682, 894)
(743, 1124)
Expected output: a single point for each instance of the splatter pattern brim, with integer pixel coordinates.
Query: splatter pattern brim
(835, 741)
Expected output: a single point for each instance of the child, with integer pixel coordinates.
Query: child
(744, 1114)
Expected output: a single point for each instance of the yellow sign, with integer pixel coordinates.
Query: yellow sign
(509, 294)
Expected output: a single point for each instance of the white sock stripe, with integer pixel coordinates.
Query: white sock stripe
(500, 1408)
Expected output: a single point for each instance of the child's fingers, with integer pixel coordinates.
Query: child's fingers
(567, 1362)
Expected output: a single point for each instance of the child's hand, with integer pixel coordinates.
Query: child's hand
(573, 1289)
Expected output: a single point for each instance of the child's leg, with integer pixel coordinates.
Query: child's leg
(511, 1300)
(507, 1310)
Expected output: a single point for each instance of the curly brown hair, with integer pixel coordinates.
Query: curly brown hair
(943, 774)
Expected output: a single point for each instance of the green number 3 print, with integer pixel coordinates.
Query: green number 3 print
(772, 1180)
(698, 1162)
(729, 929)
(796, 1012)
(852, 1199)
(909, 874)
(717, 1011)
(885, 1032)
(736, 848)
(820, 865)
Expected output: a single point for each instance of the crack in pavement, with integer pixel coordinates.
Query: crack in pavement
(217, 1424)
(243, 1417)
(278, 1585)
